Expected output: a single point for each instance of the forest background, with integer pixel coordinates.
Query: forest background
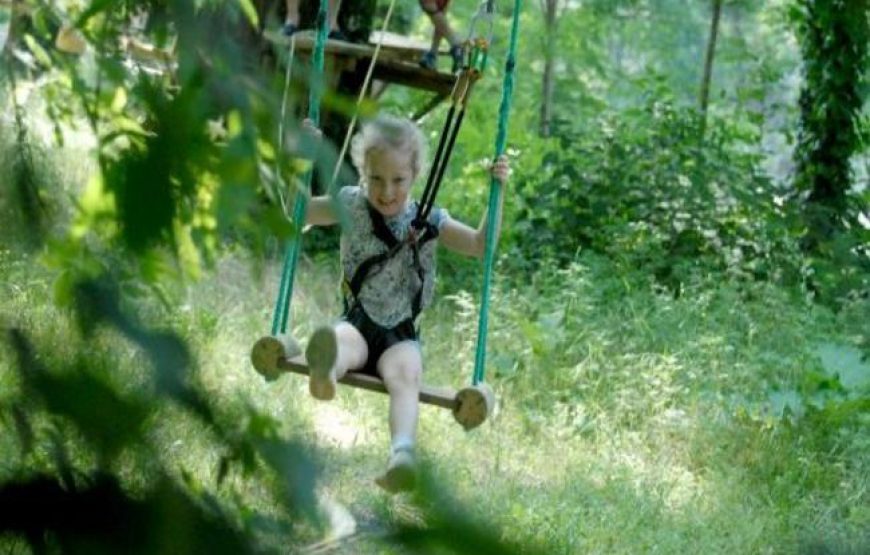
(680, 319)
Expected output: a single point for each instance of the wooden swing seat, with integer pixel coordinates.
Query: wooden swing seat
(273, 356)
(443, 397)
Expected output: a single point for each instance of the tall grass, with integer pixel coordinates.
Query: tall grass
(628, 421)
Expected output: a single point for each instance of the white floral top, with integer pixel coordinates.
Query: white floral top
(389, 289)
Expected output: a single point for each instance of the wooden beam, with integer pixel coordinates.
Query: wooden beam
(437, 396)
(305, 43)
(414, 76)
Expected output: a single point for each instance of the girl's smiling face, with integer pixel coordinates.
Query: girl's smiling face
(389, 175)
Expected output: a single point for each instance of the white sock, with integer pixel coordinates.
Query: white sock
(401, 443)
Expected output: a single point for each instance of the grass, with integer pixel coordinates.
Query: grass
(628, 421)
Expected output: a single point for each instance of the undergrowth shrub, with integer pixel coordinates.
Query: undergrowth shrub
(641, 187)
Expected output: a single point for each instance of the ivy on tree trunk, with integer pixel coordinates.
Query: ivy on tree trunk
(833, 36)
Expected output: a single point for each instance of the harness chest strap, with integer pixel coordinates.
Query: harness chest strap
(416, 239)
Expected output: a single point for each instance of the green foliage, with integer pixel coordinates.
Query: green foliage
(81, 506)
(185, 152)
(638, 186)
(834, 397)
(834, 36)
(603, 46)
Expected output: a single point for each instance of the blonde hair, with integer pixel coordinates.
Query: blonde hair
(389, 133)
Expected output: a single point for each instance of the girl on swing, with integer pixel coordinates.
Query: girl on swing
(389, 277)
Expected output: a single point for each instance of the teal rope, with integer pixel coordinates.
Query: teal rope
(280, 302)
(494, 193)
(294, 245)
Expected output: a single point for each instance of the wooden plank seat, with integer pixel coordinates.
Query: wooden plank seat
(273, 356)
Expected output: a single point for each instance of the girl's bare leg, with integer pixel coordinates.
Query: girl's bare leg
(292, 12)
(436, 41)
(331, 352)
(442, 28)
(334, 6)
(401, 367)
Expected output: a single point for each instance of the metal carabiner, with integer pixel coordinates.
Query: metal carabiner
(484, 13)
(476, 47)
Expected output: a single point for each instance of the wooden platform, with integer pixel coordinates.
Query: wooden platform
(403, 45)
(397, 61)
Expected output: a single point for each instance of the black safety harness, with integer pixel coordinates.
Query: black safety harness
(420, 233)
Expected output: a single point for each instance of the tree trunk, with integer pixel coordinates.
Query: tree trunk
(708, 63)
(548, 84)
(831, 36)
(12, 30)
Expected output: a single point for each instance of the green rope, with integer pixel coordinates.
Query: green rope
(281, 301)
(282, 290)
(294, 245)
(494, 194)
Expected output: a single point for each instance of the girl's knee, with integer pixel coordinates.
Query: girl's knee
(404, 370)
(402, 375)
(351, 344)
(346, 331)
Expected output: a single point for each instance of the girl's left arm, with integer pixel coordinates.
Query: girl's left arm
(462, 238)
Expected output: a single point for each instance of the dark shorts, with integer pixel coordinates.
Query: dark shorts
(378, 338)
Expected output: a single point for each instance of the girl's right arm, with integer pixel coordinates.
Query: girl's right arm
(320, 211)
